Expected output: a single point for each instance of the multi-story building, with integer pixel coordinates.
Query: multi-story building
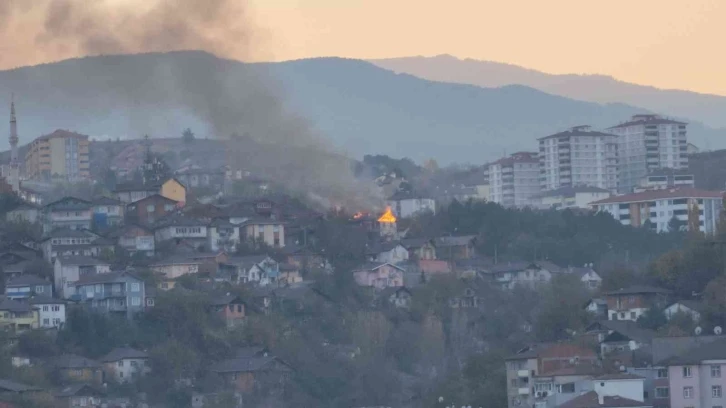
(631, 303)
(697, 378)
(51, 311)
(578, 156)
(646, 143)
(666, 178)
(514, 180)
(68, 212)
(67, 270)
(407, 205)
(125, 364)
(661, 210)
(570, 197)
(116, 292)
(59, 155)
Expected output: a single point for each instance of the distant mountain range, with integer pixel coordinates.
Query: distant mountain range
(358, 106)
(705, 108)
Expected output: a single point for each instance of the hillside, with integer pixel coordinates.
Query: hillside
(704, 108)
(356, 105)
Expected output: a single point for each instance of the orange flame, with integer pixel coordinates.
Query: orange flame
(387, 217)
(358, 215)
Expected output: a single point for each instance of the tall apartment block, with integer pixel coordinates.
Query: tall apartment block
(579, 156)
(514, 180)
(59, 155)
(647, 143)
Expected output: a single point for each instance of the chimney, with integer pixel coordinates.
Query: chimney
(600, 398)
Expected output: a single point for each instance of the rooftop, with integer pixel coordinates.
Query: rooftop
(123, 353)
(75, 361)
(713, 351)
(637, 120)
(13, 386)
(571, 191)
(590, 400)
(671, 193)
(578, 131)
(110, 277)
(80, 260)
(26, 280)
(638, 290)
(61, 133)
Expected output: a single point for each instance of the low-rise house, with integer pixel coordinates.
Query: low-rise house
(223, 235)
(246, 374)
(132, 192)
(557, 387)
(115, 292)
(578, 197)
(17, 316)
(149, 210)
(589, 278)
(51, 312)
(379, 275)
(469, 297)
(455, 248)
(595, 399)
(399, 297)
(632, 302)
(25, 286)
(125, 364)
(78, 395)
(196, 176)
(67, 242)
(696, 378)
(107, 212)
(176, 266)
(68, 270)
(180, 227)
(71, 367)
(231, 308)
(598, 307)
(691, 308)
(25, 212)
(260, 269)
(388, 252)
(419, 248)
(617, 335)
(268, 231)
(529, 274)
(134, 239)
(407, 205)
(68, 212)
(430, 267)
(289, 274)
(12, 387)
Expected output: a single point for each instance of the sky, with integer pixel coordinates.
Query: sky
(664, 43)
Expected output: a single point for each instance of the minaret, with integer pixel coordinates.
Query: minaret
(13, 134)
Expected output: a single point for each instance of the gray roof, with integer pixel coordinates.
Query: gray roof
(103, 200)
(619, 376)
(571, 191)
(123, 353)
(180, 220)
(177, 259)
(252, 351)
(110, 277)
(713, 351)
(13, 386)
(590, 400)
(68, 204)
(629, 329)
(648, 120)
(409, 243)
(75, 361)
(44, 300)
(578, 131)
(15, 306)
(225, 299)
(637, 290)
(68, 233)
(665, 348)
(26, 280)
(80, 260)
(694, 305)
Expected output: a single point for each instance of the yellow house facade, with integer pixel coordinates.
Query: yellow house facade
(174, 190)
(18, 316)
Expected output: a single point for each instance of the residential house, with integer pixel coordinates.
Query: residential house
(530, 365)
(71, 367)
(197, 176)
(388, 252)
(620, 335)
(170, 188)
(68, 212)
(231, 308)
(78, 395)
(223, 235)
(270, 232)
(151, 295)
(558, 387)
(107, 212)
(304, 258)
(12, 387)
(455, 247)
(399, 297)
(25, 212)
(379, 275)
(125, 364)
(697, 377)
(598, 307)
(17, 316)
(469, 296)
(134, 239)
(578, 197)
(115, 292)
(529, 274)
(246, 374)
(179, 227)
(69, 269)
(150, 209)
(260, 269)
(289, 274)
(419, 248)
(51, 311)
(587, 275)
(176, 266)
(25, 286)
(691, 308)
(595, 399)
(406, 205)
(632, 302)
(67, 242)
(429, 267)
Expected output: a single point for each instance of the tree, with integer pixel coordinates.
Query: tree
(653, 319)
(188, 136)
(675, 225)
(561, 308)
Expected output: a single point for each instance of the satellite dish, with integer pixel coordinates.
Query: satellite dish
(717, 330)
(698, 331)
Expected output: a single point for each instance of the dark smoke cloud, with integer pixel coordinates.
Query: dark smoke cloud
(230, 99)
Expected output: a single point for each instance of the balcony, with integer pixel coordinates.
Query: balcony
(523, 373)
(523, 391)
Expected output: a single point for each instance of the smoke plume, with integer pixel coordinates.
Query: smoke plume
(232, 99)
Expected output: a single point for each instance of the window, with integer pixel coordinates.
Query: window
(135, 301)
(662, 373)
(687, 392)
(716, 371)
(38, 289)
(56, 308)
(133, 363)
(149, 302)
(632, 315)
(45, 309)
(662, 392)
(687, 372)
(120, 363)
(56, 322)
(168, 207)
(716, 391)
(46, 322)
(150, 208)
(135, 287)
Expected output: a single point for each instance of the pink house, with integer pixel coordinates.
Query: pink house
(379, 276)
(697, 378)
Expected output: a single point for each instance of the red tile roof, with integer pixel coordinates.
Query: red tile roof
(650, 195)
(590, 400)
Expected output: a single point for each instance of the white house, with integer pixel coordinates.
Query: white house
(406, 205)
(125, 364)
(689, 307)
(51, 312)
(177, 226)
(176, 266)
(623, 385)
(269, 231)
(69, 269)
(570, 197)
(223, 236)
(530, 274)
(69, 241)
(25, 212)
(390, 252)
(587, 275)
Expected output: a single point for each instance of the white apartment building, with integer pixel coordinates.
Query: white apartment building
(514, 180)
(658, 207)
(665, 178)
(578, 156)
(647, 143)
(571, 197)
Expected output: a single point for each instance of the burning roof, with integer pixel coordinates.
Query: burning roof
(387, 217)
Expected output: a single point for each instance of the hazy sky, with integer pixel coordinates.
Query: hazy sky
(665, 43)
